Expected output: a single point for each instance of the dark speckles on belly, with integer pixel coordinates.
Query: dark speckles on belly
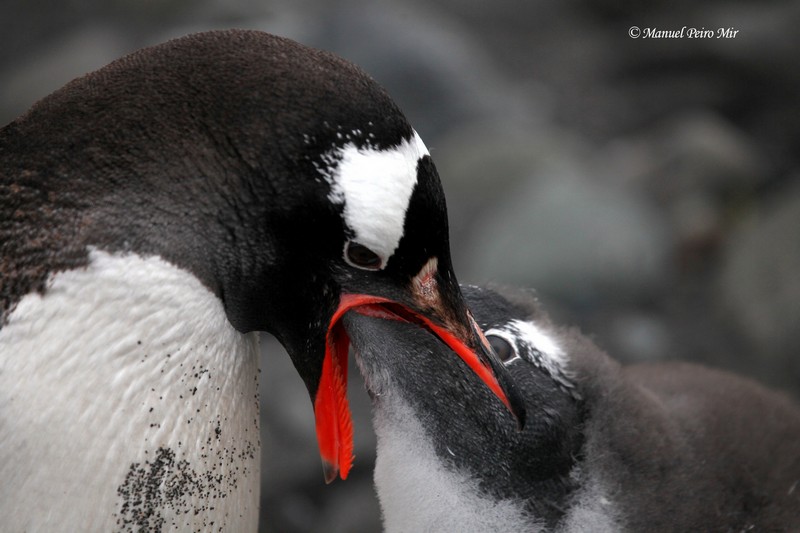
(153, 486)
(192, 484)
(165, 488)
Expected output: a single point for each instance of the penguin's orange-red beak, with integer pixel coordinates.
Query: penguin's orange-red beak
(333, 420)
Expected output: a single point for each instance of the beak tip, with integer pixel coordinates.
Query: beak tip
(520, 414)
(516, 405)
(330, 471)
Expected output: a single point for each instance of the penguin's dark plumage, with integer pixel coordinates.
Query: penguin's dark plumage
(154, 213)
(190, 137)
(650, 447)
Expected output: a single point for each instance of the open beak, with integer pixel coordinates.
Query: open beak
(333, 421)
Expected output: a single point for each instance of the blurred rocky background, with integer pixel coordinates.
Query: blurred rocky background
(649, 189)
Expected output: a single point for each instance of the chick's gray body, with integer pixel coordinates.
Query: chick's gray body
(651, 447)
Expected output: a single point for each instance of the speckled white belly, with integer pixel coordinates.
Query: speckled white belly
(127, 403)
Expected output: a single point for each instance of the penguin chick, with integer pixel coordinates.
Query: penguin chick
(647, 447)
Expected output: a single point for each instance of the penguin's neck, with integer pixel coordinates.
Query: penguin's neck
(127, 401)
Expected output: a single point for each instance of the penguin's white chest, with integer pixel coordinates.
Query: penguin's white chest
(127, 403)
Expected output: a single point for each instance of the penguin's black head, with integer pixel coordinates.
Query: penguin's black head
(383, 249)
(409, 374)
(283, 177)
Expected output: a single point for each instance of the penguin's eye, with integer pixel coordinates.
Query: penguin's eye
(360, 256)
(501, 347)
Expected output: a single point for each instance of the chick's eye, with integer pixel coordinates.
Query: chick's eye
(360, 256)
(501, 347)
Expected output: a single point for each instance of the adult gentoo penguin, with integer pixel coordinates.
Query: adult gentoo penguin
(644, 448)
(155, 213)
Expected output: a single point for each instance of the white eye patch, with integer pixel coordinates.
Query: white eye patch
(375, 187)
(518, 332)
(534, 346)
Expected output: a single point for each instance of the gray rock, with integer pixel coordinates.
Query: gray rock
(572, 236)
(440, 77)
(47, 69)
(697, 167)
(759, 286)
(480, 163)
(702, 152)
(770, 34)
